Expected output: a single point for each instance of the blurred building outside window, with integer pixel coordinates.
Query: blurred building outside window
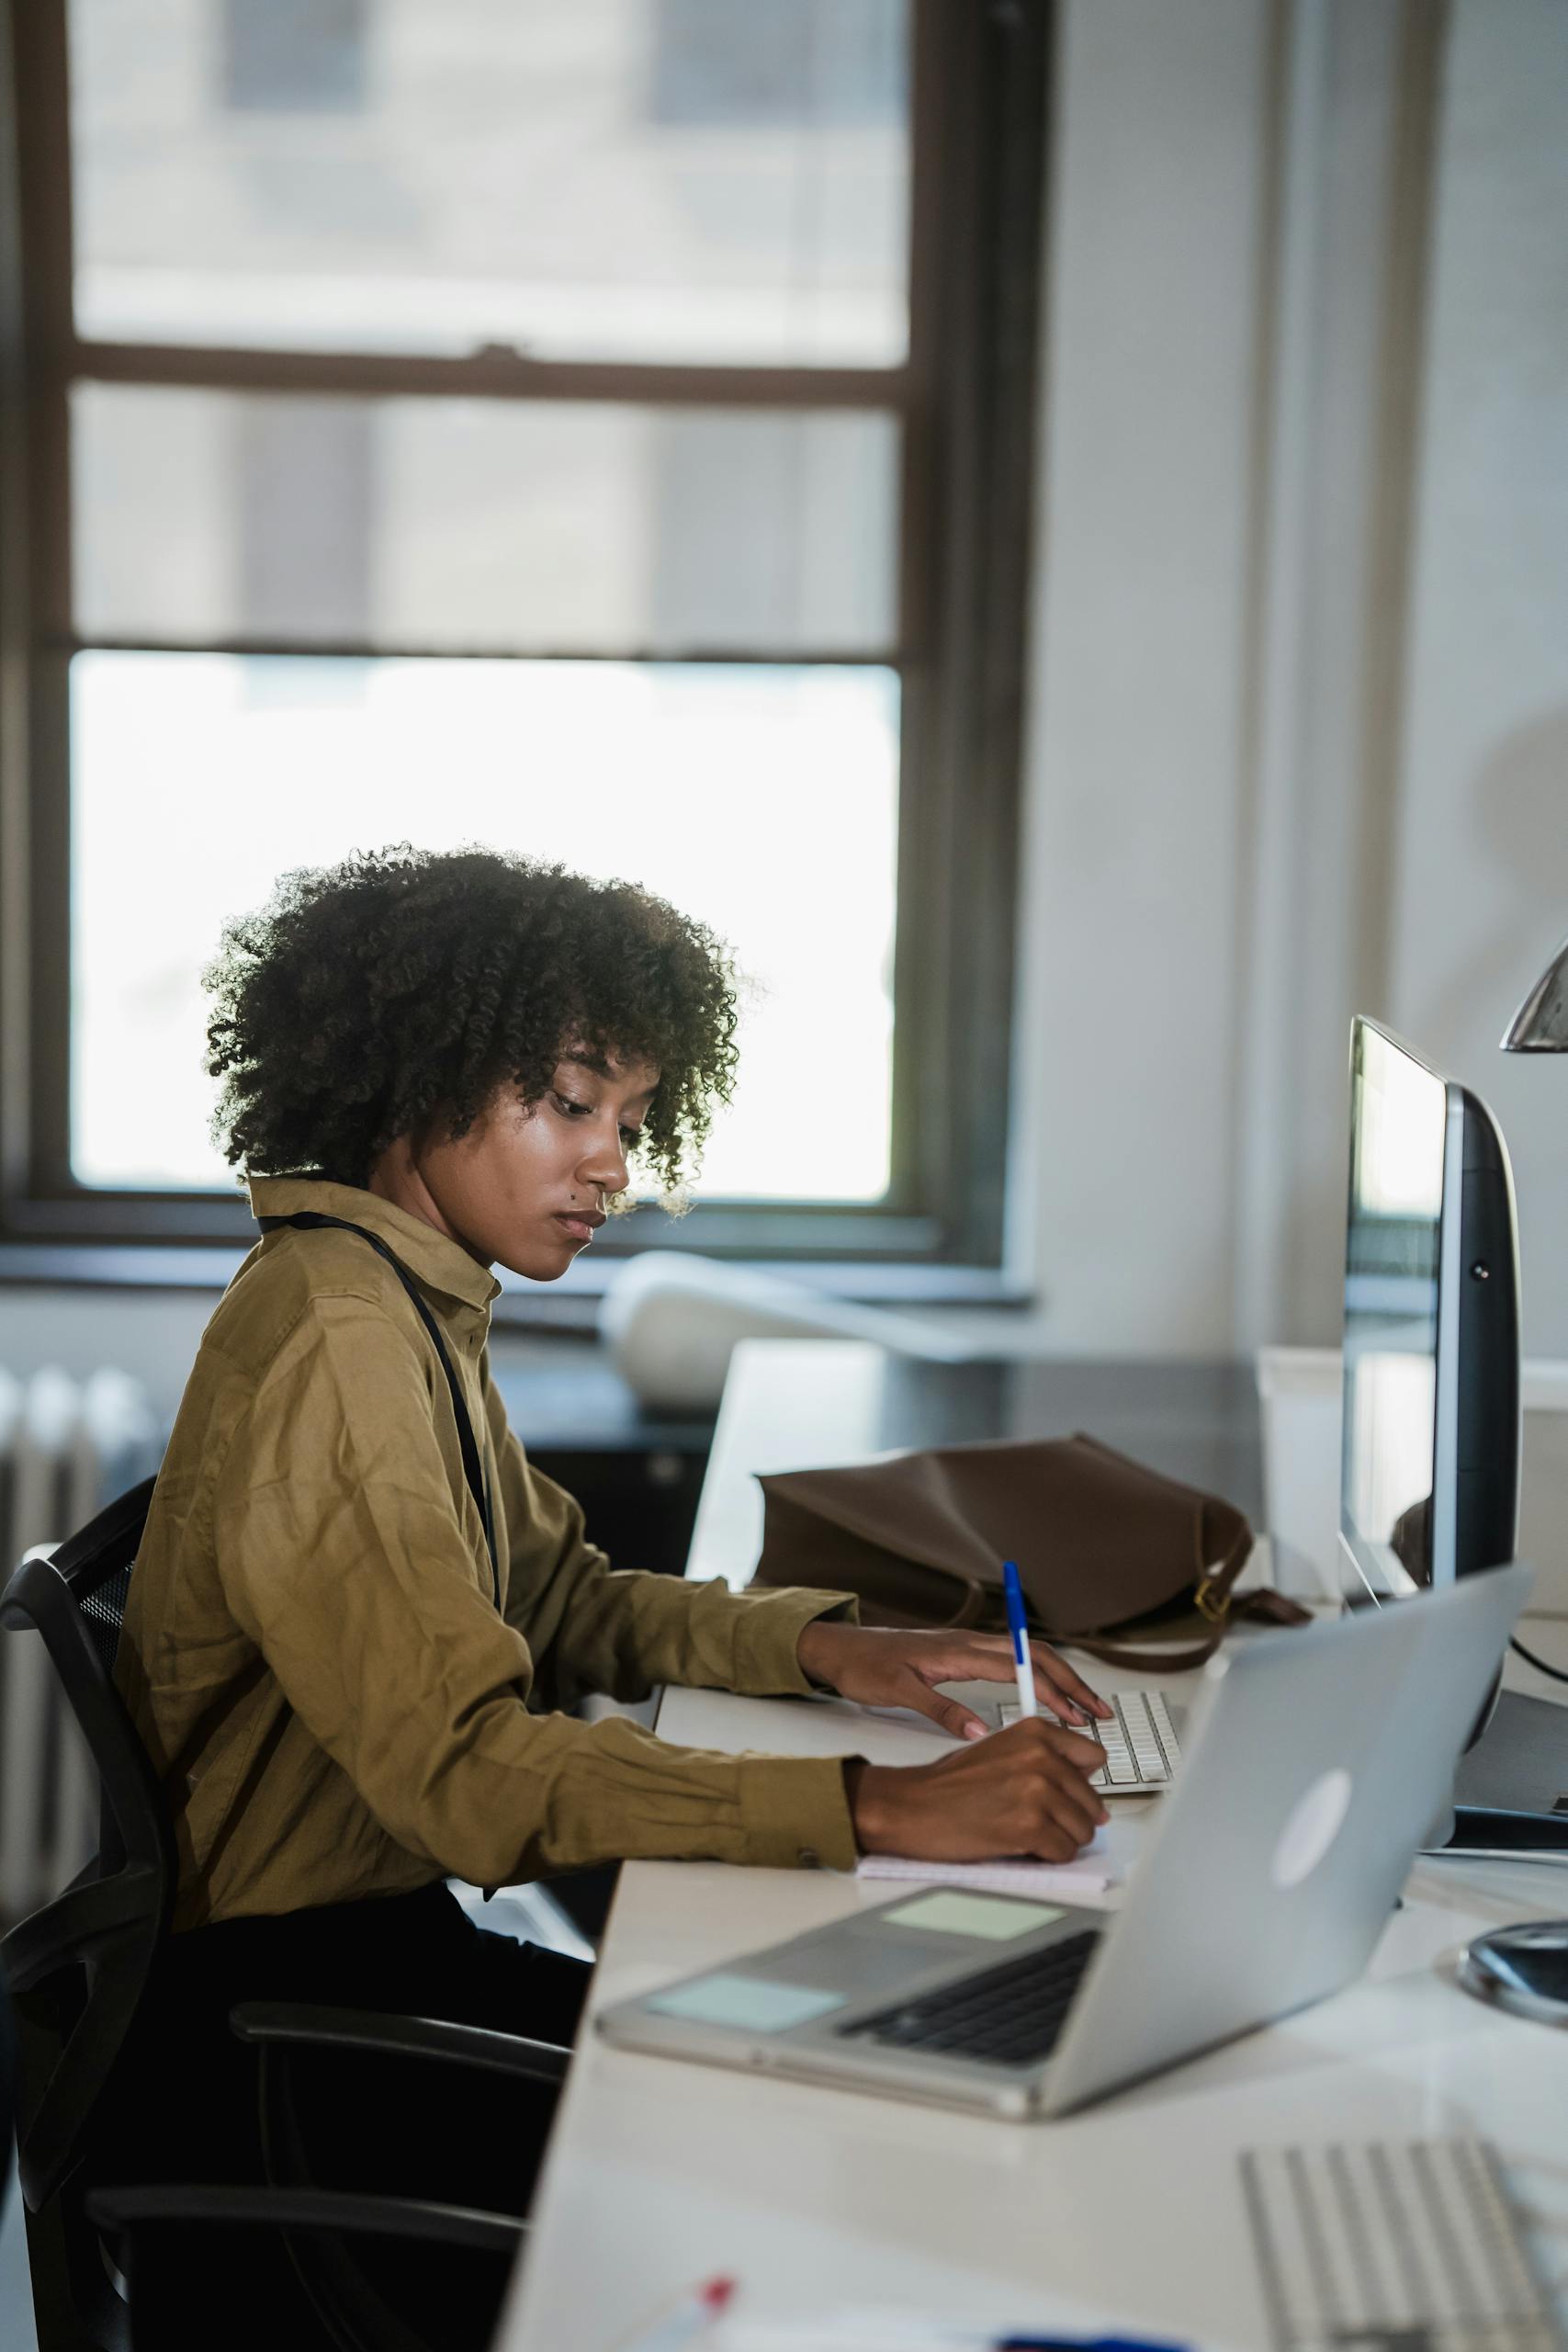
(642, 182)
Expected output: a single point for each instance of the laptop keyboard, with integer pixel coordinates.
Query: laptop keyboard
(1010, 2015)
(1141, 1750)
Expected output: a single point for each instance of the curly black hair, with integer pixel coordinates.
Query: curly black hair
(401, 985)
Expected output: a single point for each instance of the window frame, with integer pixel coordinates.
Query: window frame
(966, 397)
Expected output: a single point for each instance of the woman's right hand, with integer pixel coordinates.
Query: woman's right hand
(1023, 1791)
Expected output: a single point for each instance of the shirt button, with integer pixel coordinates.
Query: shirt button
(809, 1857)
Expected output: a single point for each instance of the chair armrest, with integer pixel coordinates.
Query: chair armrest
(306, 2209)
(298, 2024)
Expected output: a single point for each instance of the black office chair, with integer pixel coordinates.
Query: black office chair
(77, 1972)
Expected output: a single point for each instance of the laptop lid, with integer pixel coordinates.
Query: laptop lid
(1314, 1765)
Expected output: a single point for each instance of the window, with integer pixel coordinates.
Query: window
(600, 431)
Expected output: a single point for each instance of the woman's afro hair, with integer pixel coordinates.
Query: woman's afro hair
(369, 997)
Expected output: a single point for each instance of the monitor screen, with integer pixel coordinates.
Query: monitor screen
(1398, 1127)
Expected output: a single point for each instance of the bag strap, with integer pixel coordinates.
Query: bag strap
(479, 1486)
(1217, 1602)
(1267, 1607)
(1146, 1657)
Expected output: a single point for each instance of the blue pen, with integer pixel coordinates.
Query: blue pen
(1022, 1665)
(1081, 2344)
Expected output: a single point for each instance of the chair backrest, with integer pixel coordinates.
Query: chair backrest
(109, 1922)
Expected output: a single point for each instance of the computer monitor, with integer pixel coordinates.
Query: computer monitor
(1430, 1460)
(1430, 1471)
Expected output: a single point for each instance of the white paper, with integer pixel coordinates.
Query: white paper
(1093, 1870)
(870, 2331)
(853, 2329)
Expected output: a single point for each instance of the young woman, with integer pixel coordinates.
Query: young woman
(360, 1619)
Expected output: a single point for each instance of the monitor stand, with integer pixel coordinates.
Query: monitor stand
(1511, 1791)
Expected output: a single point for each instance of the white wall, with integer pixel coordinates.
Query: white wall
(1482, 881)
(1267, 785)
(153, 1335)
(1134, 837)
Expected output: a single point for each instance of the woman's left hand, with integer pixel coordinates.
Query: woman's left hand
(886, 1667)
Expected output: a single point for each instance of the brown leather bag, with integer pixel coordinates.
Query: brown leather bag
(1103, 1544)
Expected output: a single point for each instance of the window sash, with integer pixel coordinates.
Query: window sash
(965, 397)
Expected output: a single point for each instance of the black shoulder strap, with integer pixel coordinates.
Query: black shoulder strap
(472, 1467)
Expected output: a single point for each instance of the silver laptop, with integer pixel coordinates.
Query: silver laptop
(1315, 1762)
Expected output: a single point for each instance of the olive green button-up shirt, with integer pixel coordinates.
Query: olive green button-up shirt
(312, 1650)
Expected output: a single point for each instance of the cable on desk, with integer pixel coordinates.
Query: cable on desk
(1539, 1663)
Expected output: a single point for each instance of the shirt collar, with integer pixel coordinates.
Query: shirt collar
(445, 1264)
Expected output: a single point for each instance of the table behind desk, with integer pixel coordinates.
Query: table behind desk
(806, 1403)
(660, 2174)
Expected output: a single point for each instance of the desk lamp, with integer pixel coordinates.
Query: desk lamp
(1540, 1024)
(1526, 1968)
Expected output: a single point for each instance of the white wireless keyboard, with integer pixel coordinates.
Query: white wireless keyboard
(1393, 2246)
(1141, 1750)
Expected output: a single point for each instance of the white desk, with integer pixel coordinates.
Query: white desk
(660, 2174)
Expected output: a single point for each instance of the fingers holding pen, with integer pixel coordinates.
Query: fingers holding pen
(1056, 1742)
(1041, 1673)
(1052, 1769)
(1025, 1791)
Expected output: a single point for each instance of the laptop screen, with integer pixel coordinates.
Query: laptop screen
(1398, 1117)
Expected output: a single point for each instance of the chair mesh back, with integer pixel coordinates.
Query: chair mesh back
(102, 1613)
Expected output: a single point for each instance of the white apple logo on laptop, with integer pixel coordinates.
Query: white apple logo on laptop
(1315, 1821)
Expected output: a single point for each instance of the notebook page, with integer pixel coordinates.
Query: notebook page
(1092, 1873)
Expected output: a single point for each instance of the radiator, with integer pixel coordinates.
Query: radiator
(67, 1447)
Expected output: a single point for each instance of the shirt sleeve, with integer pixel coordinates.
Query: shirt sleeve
(590, 1627)
(345, 1559)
